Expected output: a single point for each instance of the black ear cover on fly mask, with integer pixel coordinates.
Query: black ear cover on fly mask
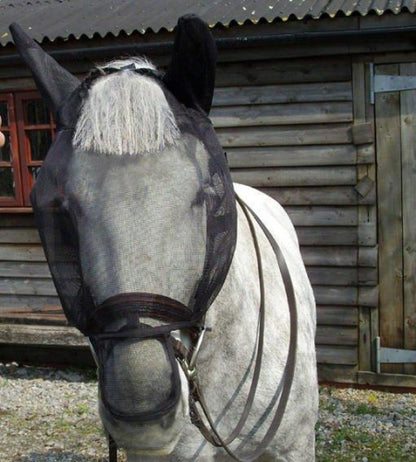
(54, 83)
(56, 230)
(191, 73)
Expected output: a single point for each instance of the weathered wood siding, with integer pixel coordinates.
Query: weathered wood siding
(25, 280)
(291, 128)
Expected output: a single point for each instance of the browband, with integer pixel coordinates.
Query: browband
(98, 72)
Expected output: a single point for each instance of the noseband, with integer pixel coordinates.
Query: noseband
(132, 307)
(123, 317)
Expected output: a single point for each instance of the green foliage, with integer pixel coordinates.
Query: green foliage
(349, 444)
(365, 426)
(363, 409)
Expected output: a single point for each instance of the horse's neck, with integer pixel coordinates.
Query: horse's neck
(234, 316)
(234, 313)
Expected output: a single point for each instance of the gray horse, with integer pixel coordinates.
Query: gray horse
(148, 249)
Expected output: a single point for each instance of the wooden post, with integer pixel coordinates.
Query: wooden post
(363, 138)
(408, 143)
(390, 217)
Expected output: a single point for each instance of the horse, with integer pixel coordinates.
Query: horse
(154, 251)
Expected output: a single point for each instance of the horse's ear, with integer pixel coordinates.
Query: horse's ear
(191, 73)
(53, 81)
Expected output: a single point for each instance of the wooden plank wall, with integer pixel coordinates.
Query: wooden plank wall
(288, 128)
(25, 280)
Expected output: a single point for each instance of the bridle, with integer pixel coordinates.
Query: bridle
(177, 317)
(130, 309)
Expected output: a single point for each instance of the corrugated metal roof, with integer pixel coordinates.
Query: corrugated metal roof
(52, 19)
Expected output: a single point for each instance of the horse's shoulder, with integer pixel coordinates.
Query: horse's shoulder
(273, 215)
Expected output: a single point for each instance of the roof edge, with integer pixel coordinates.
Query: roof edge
(375, 33)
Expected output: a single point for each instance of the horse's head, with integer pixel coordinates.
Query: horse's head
(132, 204)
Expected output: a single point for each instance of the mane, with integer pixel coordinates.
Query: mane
(125, 113)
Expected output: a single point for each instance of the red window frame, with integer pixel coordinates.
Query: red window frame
(14, 164)
(21, 151)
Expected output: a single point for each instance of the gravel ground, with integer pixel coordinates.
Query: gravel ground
(49, 415)
(366, 426)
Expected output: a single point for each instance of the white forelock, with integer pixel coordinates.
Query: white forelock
(126, 113)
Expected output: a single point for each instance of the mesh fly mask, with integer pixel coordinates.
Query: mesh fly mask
(119, 318)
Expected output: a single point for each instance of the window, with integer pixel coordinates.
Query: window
(29, 130)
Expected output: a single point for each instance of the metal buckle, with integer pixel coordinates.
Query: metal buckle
(189, 368)
(195, 352)
(190, 373)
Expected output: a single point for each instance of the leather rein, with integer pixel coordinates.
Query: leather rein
(187, 357)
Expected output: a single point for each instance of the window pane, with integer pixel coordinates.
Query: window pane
(36, 112)
(34, 172)
(5, 154)
(39, 140)
(6, 182)
(4, 113)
